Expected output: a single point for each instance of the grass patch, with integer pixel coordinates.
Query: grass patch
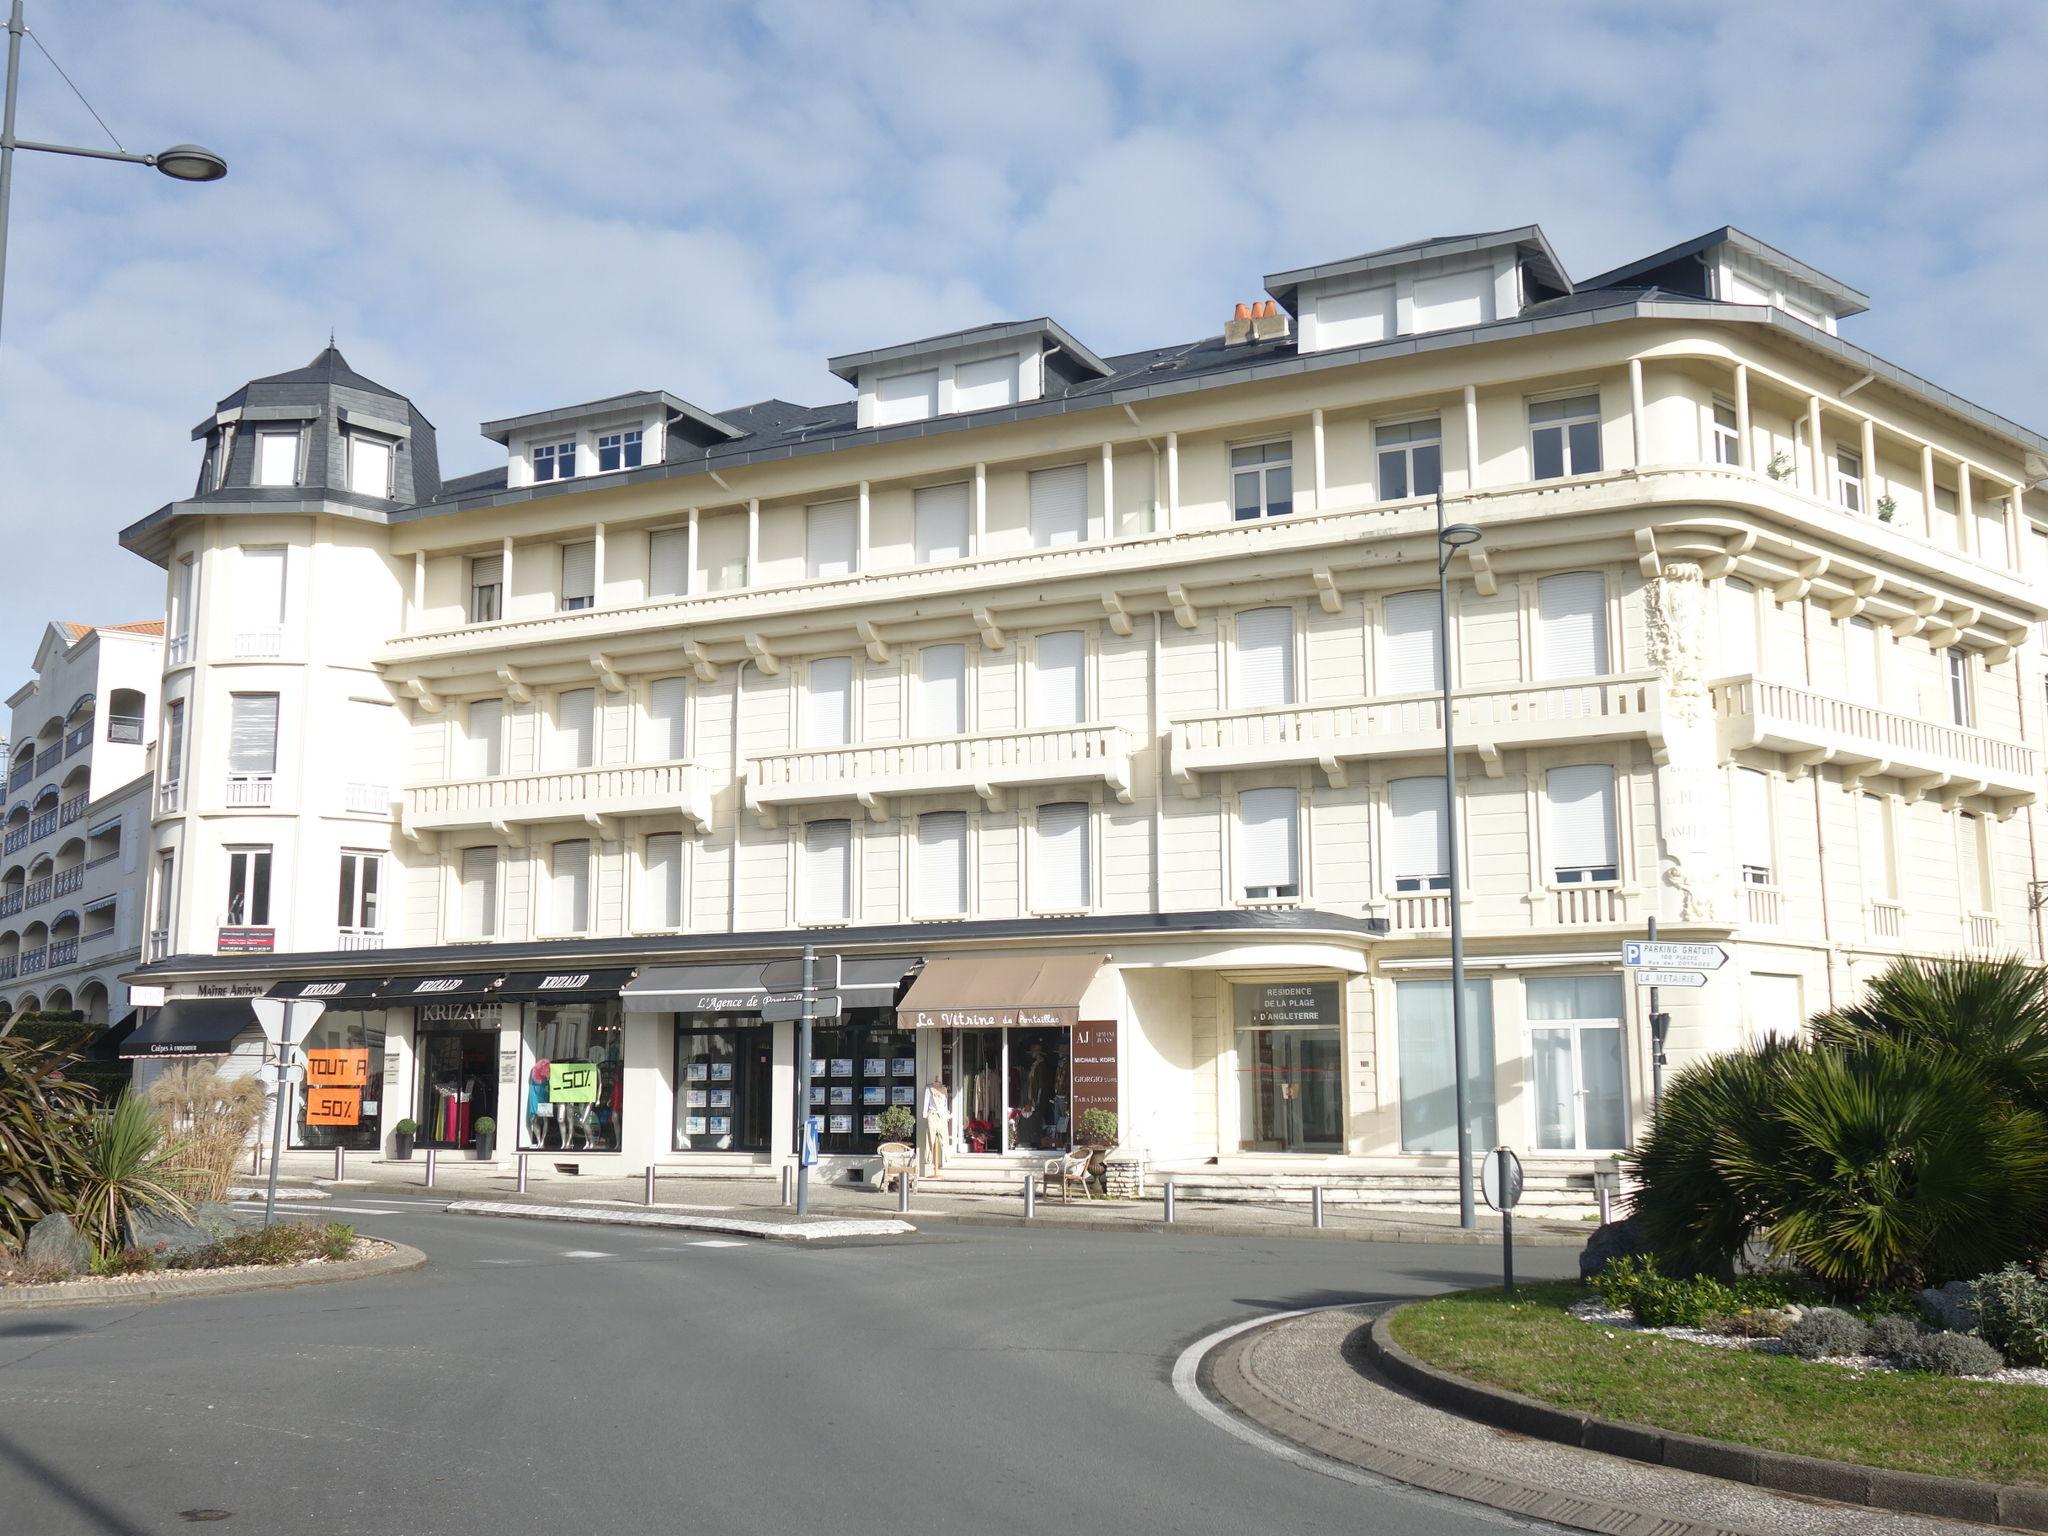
(1908, 1422)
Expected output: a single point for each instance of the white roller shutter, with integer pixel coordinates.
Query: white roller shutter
(575, 728)
(1571, 625)
(828, 870)
(829, 540)
(668, 563)
(1582, 817)
(1419, 844)
(1738, 629)
(1411, 653)
(942, 863)
(941, 523)
(1753, 825)
(907, 397)
(1970, 861)
(277, 458)
(1863, 677)
(1875, 837)
(941, 698)
(664, 881)
(369, 466)
(482, 738)
(1266, 843)
(990, 382)
(252, 733)
(479, 917)
(667, 697)
(1059, 505)
(1265, 657)
(828, 702)
(1060, 874)
(263, 586)
(579, 574)
(569, 900)
(1059, 678)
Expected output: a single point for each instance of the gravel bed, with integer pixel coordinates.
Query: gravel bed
(365, 1248)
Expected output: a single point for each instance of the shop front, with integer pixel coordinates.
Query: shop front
(340, 1101)
(455, 1047)
(571, 1077)
(1290, 1066)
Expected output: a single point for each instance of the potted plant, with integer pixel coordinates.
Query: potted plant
(486, 1137)
(1887, 508)
(977, 1133)
(1780, 466)
(1098, 1135)
(401, 1140)
(896, 1123)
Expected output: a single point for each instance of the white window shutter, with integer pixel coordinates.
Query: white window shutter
(664, 881)
(990, 382)
(479, 892)
(1411, 653)
(828, 702)
(1265, 657)
(1970, 862)
(1861, 638)
(830, 535)
(1059, 678)
(570, 903)
(941, 691)
(1059, 505)
(907, 397)
(483, 735)
(828, 870)
(668, 563)
(1752, 819)
(277, 458)
(942, 863)
(941, 523)
(252, 733)
(1571, 625)
(579, 572)
(1266, 841)
(369, 466)
(666, 700)
(575, 727)
(1060, 879)
(263, 574)
(1738, 629)
(1582, 816)
(1419, 843)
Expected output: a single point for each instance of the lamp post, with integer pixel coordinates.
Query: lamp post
(1451, 538)
(181, 162)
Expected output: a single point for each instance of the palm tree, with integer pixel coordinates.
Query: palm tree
(131, 1170)
(1989, 1015)
(43, 1114)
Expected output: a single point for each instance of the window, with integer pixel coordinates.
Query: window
(174, 742)
(1959, 687)
(1419, 841)
(1564, 437)
(828, 702)
(1411, 458)
(941, 873)
(668, 563)
(941, 523)
(1428, 1063)
(1973, 850)
(579, 575)
(589, 1115)
(483, 739)
(252, 735)
(1059, 505)
(939, 705)
(277, 458)
(248, 888)
(663, 881)
(618, 450)
(1849, 479)
(1727, 446)
(1753, 826)
(830, 535)
(1571, 626)
(907, 397)
(1879, 850)
(1059, 875)
(184, 587)
(1059, 678)
(1774, 1011)
(166, 892)
(1262, 481)
(1267, 844)
(1738, 628)
(569, 886)
(827, 884)
(478, 918)
(1862, 656)
(360, 879)
(1582, 824)
(1411, 646)
(575, 735)
(486, 589)
(369, 465)
(1265, 658)
(262, 594)
(554, 461)
(990, 382)
(663, 742)
(724, 1081)
(1575, 1059)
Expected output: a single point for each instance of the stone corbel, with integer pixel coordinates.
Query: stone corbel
(1910, 624)
(991, 632)
(1646, 552)
(1717, 566)
(705, 668)
(1112, 605)
(764, 814)
(606, 827)
(991, 796)
(764, 658)
(1326, 590)
(1183, 610)
(416, 688)
(1810, 571)
(1853, 774)
(601, 664)
(1799, 764)
(1861, 590)
(876, 807)
(870, 637)
(1489, 758)
(1998, 655)
(511, 834)
(2005, 806)
(1484, 581)
(1333, 770)
(515, 690)
(1914, 790)
(1956, 791)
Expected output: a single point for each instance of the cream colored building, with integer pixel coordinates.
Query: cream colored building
(1088, 707)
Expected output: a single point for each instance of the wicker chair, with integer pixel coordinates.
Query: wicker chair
(899, 1161)
(1066, 1172)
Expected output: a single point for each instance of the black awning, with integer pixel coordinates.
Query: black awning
(735, 986)
(191, 1026)
(403, 991)
(334, 993)
(108, 1046)
(564, 985)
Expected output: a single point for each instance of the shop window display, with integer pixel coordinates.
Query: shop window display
(724, 1075)
(340, 1102)
(573, 1086)
(858, 1069)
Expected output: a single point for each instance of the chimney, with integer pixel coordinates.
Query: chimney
(1237, 330)
(1261, 321)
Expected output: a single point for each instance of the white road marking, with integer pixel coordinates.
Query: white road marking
(583, 1253)
(366, 1210)
(716, 1242)
(507, 1261)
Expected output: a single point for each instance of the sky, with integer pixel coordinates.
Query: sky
(498, 206)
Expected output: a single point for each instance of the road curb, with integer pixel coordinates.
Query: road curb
(200, 1283)
(1912, 1493)
(818, 1229)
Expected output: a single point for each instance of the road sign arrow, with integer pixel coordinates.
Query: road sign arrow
(1675, 956)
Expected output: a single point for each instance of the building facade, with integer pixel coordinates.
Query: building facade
(77, 824)
(1088, 708)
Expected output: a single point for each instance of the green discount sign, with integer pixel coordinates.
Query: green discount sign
(572, 1082)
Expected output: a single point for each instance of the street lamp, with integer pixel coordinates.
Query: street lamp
(1451, 538)
(181, 162)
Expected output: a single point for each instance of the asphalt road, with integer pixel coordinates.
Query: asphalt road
(569, 1379)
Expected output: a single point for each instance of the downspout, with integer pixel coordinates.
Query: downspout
(739, 804)
(1820, 831)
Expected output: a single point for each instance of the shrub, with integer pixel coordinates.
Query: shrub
(1953, 1354)
(896, 1123)
(486, 1126)
(1098, 1127)
(44, 1115)
(130, 1260)
(2012, 1314)
(1894, 1336)
(406, 1128)
(289, 1242)
(130, 1170)
(212, 1118)
(1636, 1285)
(337, 1240)
(1825, 1333)
(15, 1270)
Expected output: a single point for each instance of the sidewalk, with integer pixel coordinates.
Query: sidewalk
(762, 1197)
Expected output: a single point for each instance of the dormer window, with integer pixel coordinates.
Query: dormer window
(369, 465)
(555, 461)
(277, 458)
(616, 450)
(907, 397)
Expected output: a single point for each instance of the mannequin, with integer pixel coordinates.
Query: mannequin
(938, 1123)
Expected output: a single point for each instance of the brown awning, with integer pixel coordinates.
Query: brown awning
(998, 991)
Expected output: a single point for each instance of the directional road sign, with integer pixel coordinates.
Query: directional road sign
(1671, 978)
(781, 1008)
(788, 975)
(1690, 957)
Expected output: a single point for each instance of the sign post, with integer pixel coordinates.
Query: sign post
(275, 1015)
(1500, 1181)
(1667, 965)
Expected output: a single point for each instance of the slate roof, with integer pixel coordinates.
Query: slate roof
(328, 368)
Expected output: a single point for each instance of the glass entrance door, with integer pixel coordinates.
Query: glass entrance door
(978, 1089)
(458, 1085)
(1011, 1089)
(1037, 1082)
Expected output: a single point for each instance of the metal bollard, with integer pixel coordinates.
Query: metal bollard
(788, 1175)
(1030, 1198)
(1606, 1206)
(430, 1168)
(1315, 1206)
(340, 1164)
(650, 1183)
(256, 1158)
(522, 1173)
(1169, 1202)
(903, 1194)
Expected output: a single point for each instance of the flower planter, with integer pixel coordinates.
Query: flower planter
(401, 1149)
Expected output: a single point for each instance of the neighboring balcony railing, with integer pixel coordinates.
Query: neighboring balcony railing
(1411, 911)
(102, 858)
(50, 757)
(170, 797)
(371, 799)
(11, 903)
(1887, 921)
(72, 809)
(248, 790)
(361, 938)
(23, 772)
(79, 739)
(1763, 905)
(1575, 906)
(125, 730)
(33, 960)
(564, 794)
(63, 952)
(177, 650)
(159, 943)
(69, 880)
(987, 763)
(1489, 721)
(10, 967)
(42, 826)
(1822, 728)
(36, 892)
(17, 839)
(256, 643)
(1980, 931)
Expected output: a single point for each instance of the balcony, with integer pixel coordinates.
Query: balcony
(69, 880)
(567, 794)
(367, 799)
(1819, 728)
(248, 791)
(170, 798)
(62, 953)
(78, 740)
(360, 938)
(33, 960)
(36, 892)
(986, 764)
(125, 730)
(10, 967)
(257, 644)
(1980, 932)
(24, 771)
(49, 757)
(159, 943)
(11, 904)
(1489, 721)
(177, 650)
(72, 809)
(1763, 905)
(17, 839)
(1887, 921)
